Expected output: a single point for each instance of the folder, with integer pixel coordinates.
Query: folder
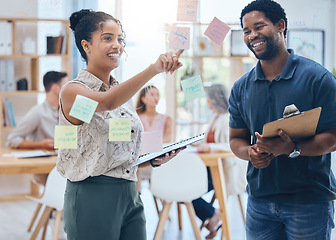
(175, 146)
(299, 126)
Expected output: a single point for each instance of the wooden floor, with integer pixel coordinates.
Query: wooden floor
(15, 216)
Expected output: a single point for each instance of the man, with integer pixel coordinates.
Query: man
(290, 184)
(36, 128)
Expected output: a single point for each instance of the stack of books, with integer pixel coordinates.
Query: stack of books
(8, 113)
(56, 45)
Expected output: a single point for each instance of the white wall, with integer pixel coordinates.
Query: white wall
(314, 14)
(19, 8)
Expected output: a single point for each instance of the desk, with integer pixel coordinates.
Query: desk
(13, 165)
(214, 161)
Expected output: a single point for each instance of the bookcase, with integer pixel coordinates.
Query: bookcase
(29, 47)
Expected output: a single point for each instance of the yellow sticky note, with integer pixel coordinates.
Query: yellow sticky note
(65, 137)
(120, 129)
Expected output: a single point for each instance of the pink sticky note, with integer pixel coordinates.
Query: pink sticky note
(151, 141)
(187, 10)
(179, 37)
(217, 31)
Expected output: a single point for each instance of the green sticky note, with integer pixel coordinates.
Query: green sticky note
(83, 108)
(120, 129)
(193, 88)
(65, 137)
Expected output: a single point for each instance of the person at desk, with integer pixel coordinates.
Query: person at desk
(36, 128)
(101, 200)
(217, 139)
(291, 188)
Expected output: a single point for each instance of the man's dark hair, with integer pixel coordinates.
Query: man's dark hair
(271, 9)
(52, 77)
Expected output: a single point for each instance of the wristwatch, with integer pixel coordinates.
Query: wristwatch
(296, 152)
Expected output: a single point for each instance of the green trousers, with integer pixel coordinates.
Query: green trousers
(103, 208)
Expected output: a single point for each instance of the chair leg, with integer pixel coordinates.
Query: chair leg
(241, 208)
(162, 220)
(44, 217)
(192, 216)
(32, 221)
(45, 229)
(58, 220)
(156, 205)
(179, 215)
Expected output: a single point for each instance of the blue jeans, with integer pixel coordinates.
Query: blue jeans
(280, 221)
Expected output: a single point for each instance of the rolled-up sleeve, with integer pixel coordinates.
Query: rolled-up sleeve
(27, 125)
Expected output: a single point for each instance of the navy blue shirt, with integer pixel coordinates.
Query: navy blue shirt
(254, 101)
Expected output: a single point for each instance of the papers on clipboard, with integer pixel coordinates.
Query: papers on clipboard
(297, 126)
(169, 148)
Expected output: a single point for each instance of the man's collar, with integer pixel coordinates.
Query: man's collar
(287, 73)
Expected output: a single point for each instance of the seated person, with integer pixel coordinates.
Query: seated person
(217, 139)
(36, 128)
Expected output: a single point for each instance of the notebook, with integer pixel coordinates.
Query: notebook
(149, 156)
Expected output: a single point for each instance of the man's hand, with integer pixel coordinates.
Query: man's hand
(259, 159)
(47, 144)
(276, 146)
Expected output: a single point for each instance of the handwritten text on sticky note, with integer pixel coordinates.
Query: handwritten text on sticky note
(193, 88)
(179, 37)
(83, 108)
(187, 10)
(217, 31)
(120, 129)
(65, 137)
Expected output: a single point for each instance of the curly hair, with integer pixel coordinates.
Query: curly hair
(271, 9)
(85, 22)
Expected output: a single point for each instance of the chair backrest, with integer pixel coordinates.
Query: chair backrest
(182, 179)
(54, 190)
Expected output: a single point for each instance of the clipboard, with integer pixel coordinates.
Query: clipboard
(146, 157)
(299, 126)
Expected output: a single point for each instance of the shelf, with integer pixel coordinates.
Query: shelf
(7, 128)
(25, 56)
(23, 92)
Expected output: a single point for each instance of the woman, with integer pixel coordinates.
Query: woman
(101, 200)
(217, 139)
(152, 120)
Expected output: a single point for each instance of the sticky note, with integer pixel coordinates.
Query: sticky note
(151, 141)
(193, 88)
(120, 129)
(187, 10)
(65, 137)
(179, 37)
(217, 31)
(83, 108)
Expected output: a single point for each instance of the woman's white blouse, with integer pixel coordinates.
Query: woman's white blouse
(96, 155)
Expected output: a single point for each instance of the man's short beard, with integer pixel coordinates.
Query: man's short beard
(271, 51)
